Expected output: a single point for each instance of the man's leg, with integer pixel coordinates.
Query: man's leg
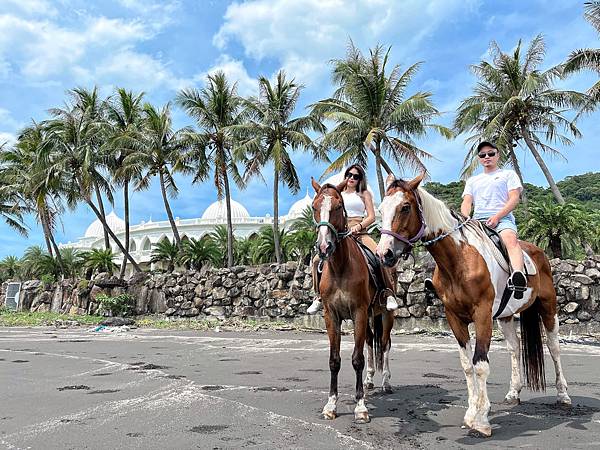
(517, 280)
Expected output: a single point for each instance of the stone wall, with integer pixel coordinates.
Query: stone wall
(284, 292)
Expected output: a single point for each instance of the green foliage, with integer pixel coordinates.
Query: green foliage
(36, 262)
(197, 252)
(242, 251)
(9, 318)
(219, 238)
(166, 252)
(263, 248)
(121, 305)
(47, 279)
(99, 260)
(9, 268)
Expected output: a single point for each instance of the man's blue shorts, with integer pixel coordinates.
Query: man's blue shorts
(506, 223)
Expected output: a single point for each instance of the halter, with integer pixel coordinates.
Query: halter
(410, 242)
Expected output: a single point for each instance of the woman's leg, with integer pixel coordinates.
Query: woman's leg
(316, 304)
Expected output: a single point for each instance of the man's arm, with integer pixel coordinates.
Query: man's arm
(513, 201)
(467, 204)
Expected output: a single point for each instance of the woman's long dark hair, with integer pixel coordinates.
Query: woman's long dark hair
(362, 183)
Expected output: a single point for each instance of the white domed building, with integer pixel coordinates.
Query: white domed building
(144, 235)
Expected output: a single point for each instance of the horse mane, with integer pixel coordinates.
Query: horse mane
(438, 217)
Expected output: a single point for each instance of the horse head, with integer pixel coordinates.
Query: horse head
(329, 215)
(401, 219)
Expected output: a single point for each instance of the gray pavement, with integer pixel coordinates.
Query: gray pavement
(149, 389)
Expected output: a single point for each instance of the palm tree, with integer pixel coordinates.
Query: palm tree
(160, 152)
(197, 252)
(72, 262)
(303, 235)
(264, 249)
(515, 100)
(561, 229)
(588, 58)
(268, 134)
(373, 115)
(220, 237)
(242, 251)
(36, 263)
(9, 268)
(215, 108)
(76, 165)
(12, 204)
(167, 252)
(99, 260)
(124, 118)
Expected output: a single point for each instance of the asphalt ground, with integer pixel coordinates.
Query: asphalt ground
(150, 389)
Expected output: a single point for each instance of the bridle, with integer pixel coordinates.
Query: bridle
(338, 235)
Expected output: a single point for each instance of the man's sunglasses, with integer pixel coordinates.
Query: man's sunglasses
(484, 154)
(354, 176)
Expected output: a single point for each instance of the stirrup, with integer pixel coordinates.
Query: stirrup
(517, 283)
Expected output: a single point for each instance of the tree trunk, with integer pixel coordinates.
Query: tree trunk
(45, 229)
(163, 190)
(555, 246)
(101, 207)
(542, 164)
(515, 163)
(50, 242)
(276, 218)
(378, 162)
(113, 236)
(229, 224)
(126, 207)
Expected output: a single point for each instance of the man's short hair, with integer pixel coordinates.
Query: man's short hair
(486, 144)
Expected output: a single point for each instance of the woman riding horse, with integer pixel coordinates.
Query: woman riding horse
(470, 279)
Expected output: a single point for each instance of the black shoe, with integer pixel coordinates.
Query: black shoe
(517, 283)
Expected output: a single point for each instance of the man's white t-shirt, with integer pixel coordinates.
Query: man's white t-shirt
(490, 191)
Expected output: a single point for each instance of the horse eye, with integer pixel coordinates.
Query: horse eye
(405, 208)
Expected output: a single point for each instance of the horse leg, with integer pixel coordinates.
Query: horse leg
(368, 384)
(483, 337)
(334, 332)
(461, 333)
(361, 413)
(554, 348)
(388, 323)
(509, 330)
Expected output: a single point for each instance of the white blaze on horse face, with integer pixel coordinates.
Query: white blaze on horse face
(323, 230)
(387, 208)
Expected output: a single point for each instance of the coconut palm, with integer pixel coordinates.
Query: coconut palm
(588, 58)
(514, 100)
(99, 260)
(76, 135)
(197, 252)
(561, 229)
(215, 108)
(12, 204)
(373, 114)
(72, 262)
(160, 152)
(167, 252)
(220, 237)
(124, 121)
(242, 251)
(269, 134)
(36, 263)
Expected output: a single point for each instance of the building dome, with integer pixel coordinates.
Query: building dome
(115, 223)
(218, 211)
(298, 208)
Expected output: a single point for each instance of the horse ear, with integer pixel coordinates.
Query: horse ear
(342, 185)
(414, 183)
(315, 185)
(389, 180)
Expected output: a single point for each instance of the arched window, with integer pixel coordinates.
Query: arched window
(146, 246)
(132, 246)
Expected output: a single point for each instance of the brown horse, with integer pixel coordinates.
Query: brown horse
(470, 281)
(347, 293)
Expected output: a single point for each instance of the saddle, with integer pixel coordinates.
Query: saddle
(494, 236)
(374, 266)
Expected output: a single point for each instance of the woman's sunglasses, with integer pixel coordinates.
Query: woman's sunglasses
(354, 176)
(484, 154)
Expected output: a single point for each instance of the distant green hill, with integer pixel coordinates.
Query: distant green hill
(582, 189)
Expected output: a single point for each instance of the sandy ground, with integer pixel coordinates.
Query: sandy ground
(148, 389)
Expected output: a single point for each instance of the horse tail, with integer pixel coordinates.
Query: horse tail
(377, 340)
(532, 347)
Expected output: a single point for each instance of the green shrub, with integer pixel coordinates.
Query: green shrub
(47, 279)
(83, 285)
(121, 305)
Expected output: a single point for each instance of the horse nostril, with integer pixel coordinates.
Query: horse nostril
(389, 254)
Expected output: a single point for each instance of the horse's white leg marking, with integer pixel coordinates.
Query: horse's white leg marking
(513, 345)
(554, 347)
(481, 423)
(330, 409)
(385, 384)
(466, 360)
(361, 413)
(370, 368)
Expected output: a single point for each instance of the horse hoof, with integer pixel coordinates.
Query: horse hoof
(564, 401)
(387, 389)
(369, 386)
(362, 417)
(511, 401)
(329, 415)
(482, 432)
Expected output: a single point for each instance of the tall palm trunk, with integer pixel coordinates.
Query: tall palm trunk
(378, 169)
(229, 223)
(276, 218)
(515, 164)
(101, 207)
(543, 166)
(163, 190)
(46, 230)
(48, 236)
(126, 207)
(102, 220)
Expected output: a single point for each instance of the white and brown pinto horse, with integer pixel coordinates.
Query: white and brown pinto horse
(347, 293)
(468, 281)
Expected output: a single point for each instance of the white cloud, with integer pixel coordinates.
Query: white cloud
(7, 138)
(236, 73)
(31, 7)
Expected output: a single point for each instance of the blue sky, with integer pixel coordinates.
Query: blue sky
(159, 47)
